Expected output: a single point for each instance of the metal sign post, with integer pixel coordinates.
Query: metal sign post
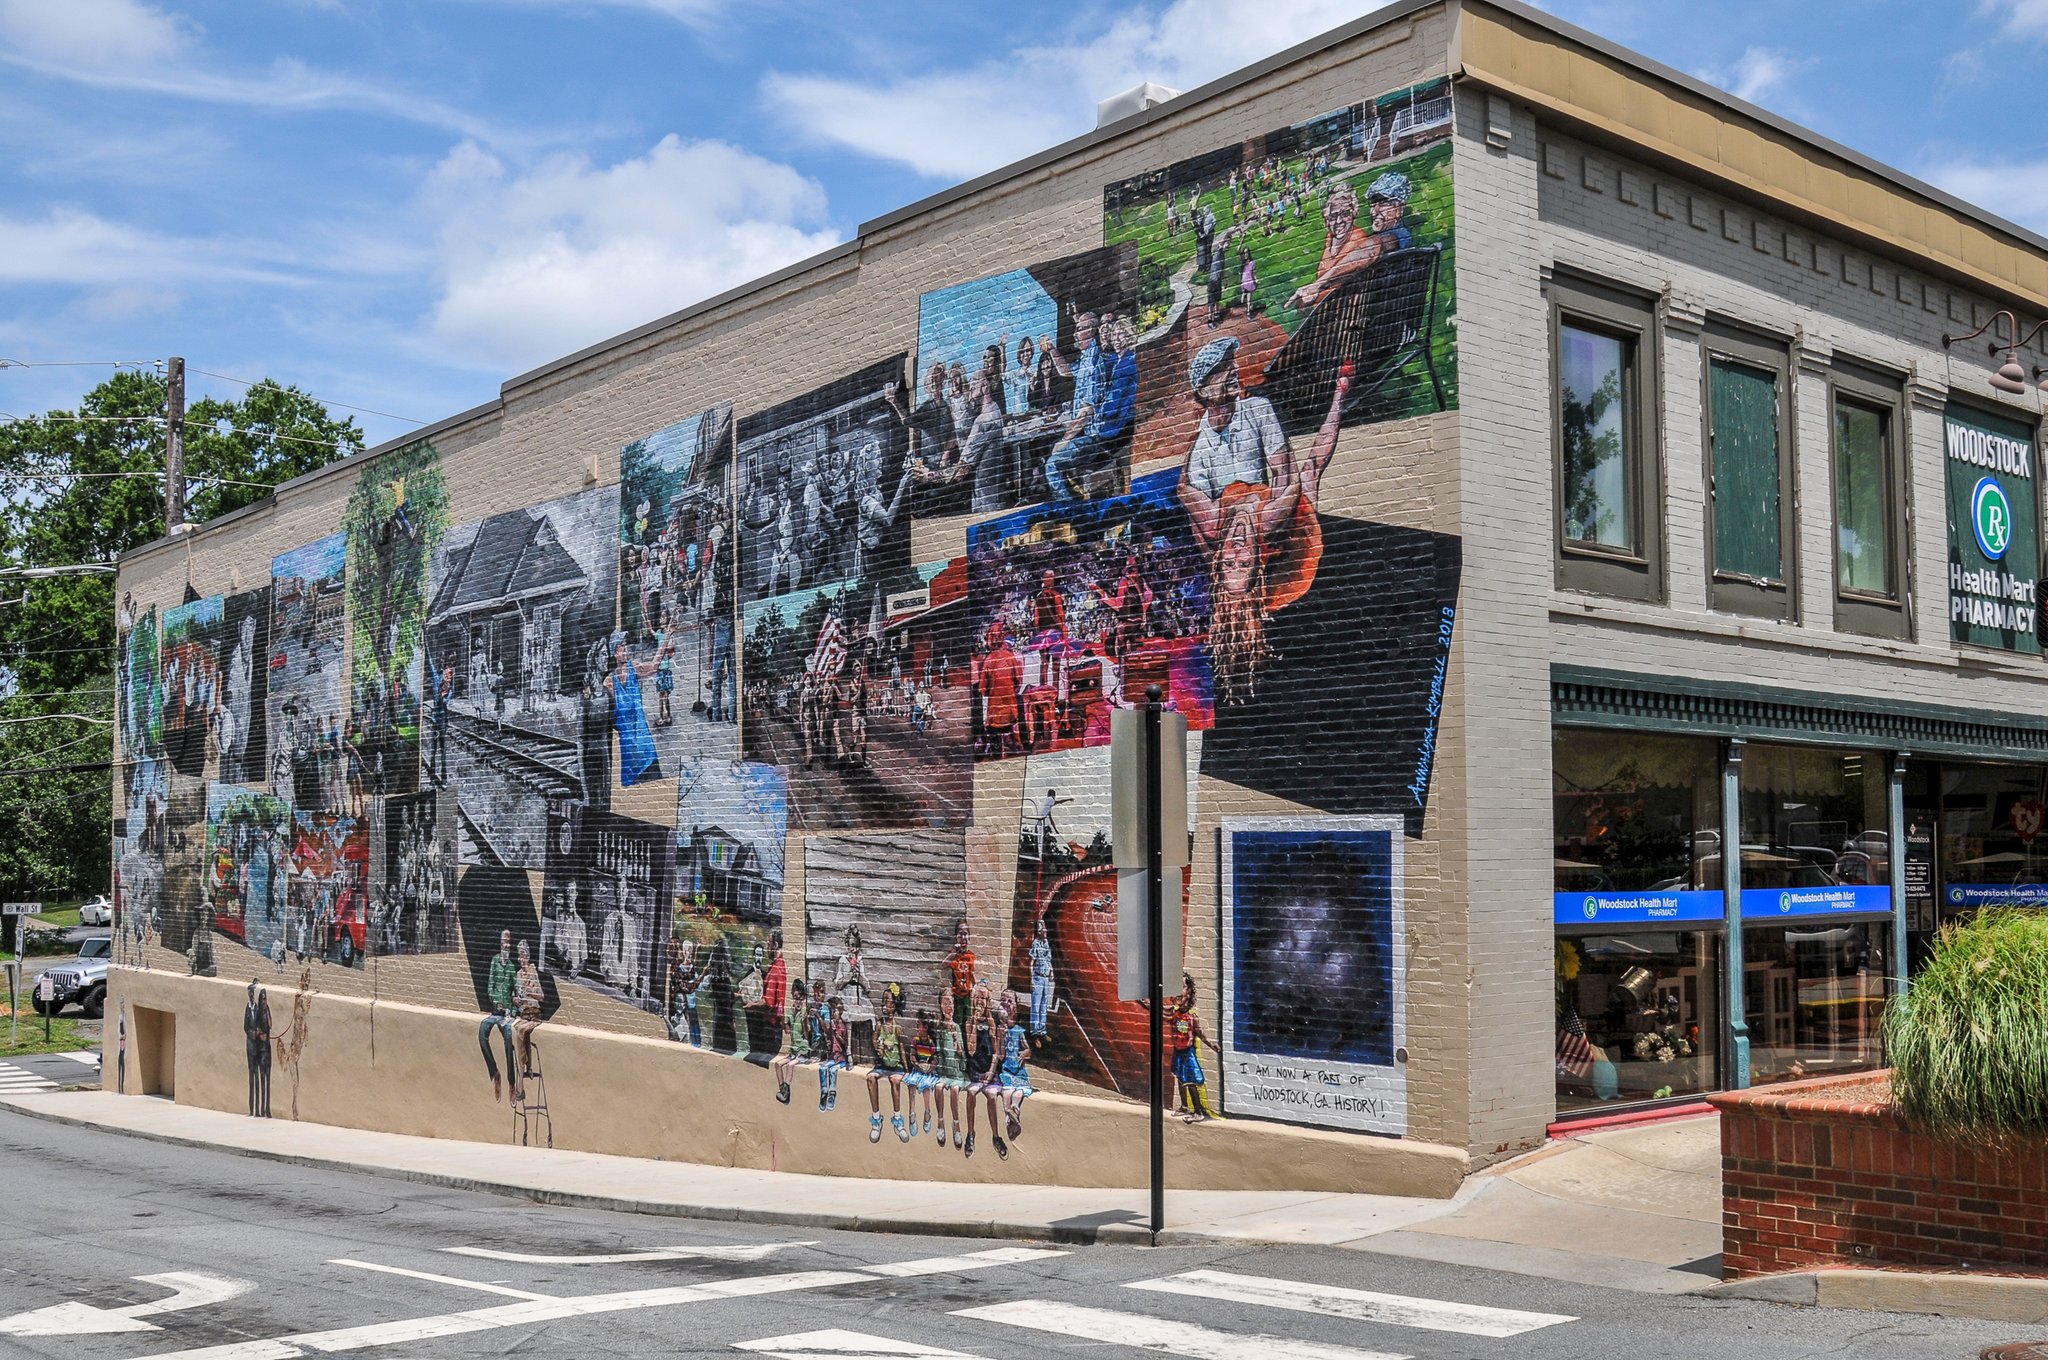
(1148, 835)
(17, 910)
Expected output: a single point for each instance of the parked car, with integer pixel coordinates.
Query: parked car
(79, 980)
(97, 911)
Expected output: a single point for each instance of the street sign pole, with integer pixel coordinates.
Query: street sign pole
(16, 913)
(1155, 982)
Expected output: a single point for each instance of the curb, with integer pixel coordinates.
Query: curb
(1121, 1234)
(1992, 1298)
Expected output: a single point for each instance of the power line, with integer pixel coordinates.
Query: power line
(272, 382)
(80, 363)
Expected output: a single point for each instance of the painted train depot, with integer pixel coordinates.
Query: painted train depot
(701, 751)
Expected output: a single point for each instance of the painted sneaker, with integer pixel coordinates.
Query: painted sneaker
(902, 1133)
(956, 1135)
(822, 1105)
(1016, 1128)
(970, 1145)
(1002, 1148)
(782, 1092)
(832, 1101)
(874, 1128)
(942, 1133)
(928, 1126)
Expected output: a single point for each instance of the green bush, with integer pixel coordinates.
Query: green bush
(1969, 1042)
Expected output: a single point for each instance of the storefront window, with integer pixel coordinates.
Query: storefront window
(1816, 902)
(1813, 994)
(1633, 812)
(1994, 845)
(1639, 1016)
(1638, 949)
(1814, 816)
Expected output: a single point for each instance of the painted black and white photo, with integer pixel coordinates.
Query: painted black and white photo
(519, 622)
(605, 900)
(241, 725)
(414, 909)
(308, 768)
(824, 488)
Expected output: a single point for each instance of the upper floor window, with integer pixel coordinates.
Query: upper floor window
(1869, 486)
(1749, 475)
(1603, 417)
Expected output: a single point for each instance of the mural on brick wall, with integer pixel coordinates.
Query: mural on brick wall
(606, 902)
(414, 911)
(519, 614)
(677, 570)
(1317, 247)
(1063, 924)
(307, 633)
(1315, 971)
(249, 868)
(1028, 386)
(859, 650)
(328, 900)
(394, 520)
(1076, 608)
(861, 693)
(189, 671)
(731, 821)
(824, 486)
(241, 725)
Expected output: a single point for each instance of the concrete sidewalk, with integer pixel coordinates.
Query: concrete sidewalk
(1644, 1200)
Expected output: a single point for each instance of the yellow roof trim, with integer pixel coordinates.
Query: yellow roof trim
(1549, 70)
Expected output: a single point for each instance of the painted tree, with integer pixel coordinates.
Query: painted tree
(395, 518)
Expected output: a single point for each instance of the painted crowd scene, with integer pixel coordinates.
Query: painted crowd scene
(787, 738)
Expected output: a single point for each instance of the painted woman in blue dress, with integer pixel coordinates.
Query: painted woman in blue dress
(629, 715)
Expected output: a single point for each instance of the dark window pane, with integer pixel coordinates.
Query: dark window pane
(1746, 490)
(1631, 811)
(1814, 997)
(1862, 511)
(1592, 400)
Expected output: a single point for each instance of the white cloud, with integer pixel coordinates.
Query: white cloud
(82, 250)
(1758, 73)
(535, 264)
(956, 124)
(127, 45)
(2019, 18)
(2015, 190)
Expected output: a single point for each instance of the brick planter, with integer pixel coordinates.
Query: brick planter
(1823, 1173)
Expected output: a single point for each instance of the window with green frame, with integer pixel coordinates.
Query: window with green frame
(1749, 494)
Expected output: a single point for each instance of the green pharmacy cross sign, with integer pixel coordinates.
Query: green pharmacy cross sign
(1993, 532)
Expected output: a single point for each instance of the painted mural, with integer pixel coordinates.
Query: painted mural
(824, 486)
(248, 867)
(1315, 971)
(519, 622)
(861, 693)
(1078, 607)
(394, 520)
(1063, 924)
(1323, 249)
(308, 631)
(606, 902)
(854, 654)
(189, 675)
(241, 722)
(414, 910)
(327, 908)
(677, 568)
(732, 819)
(1028, 386)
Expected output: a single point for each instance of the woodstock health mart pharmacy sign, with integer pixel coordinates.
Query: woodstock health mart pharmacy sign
(1994, 557)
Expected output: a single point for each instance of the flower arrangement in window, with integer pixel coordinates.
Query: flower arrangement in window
(1665, 1043)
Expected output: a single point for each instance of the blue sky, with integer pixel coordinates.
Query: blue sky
(396, 207)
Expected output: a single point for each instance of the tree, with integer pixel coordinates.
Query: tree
(86, 486)
(394, 521)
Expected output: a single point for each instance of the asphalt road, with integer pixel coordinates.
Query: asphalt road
(264, 1261)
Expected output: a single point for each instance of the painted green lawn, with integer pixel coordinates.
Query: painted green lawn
(1287, 259)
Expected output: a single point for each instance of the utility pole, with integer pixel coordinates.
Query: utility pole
(174, 446)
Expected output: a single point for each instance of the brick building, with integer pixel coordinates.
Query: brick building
(1451, 409)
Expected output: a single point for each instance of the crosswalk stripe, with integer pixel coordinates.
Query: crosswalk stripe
(1161, 1334)
(976, 1260)
(835, 1341)
(1358, 1305)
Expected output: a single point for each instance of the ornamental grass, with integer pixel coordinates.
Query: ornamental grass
(1968, 1044)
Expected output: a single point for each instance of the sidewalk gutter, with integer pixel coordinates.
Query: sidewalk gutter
(1993, 1298)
